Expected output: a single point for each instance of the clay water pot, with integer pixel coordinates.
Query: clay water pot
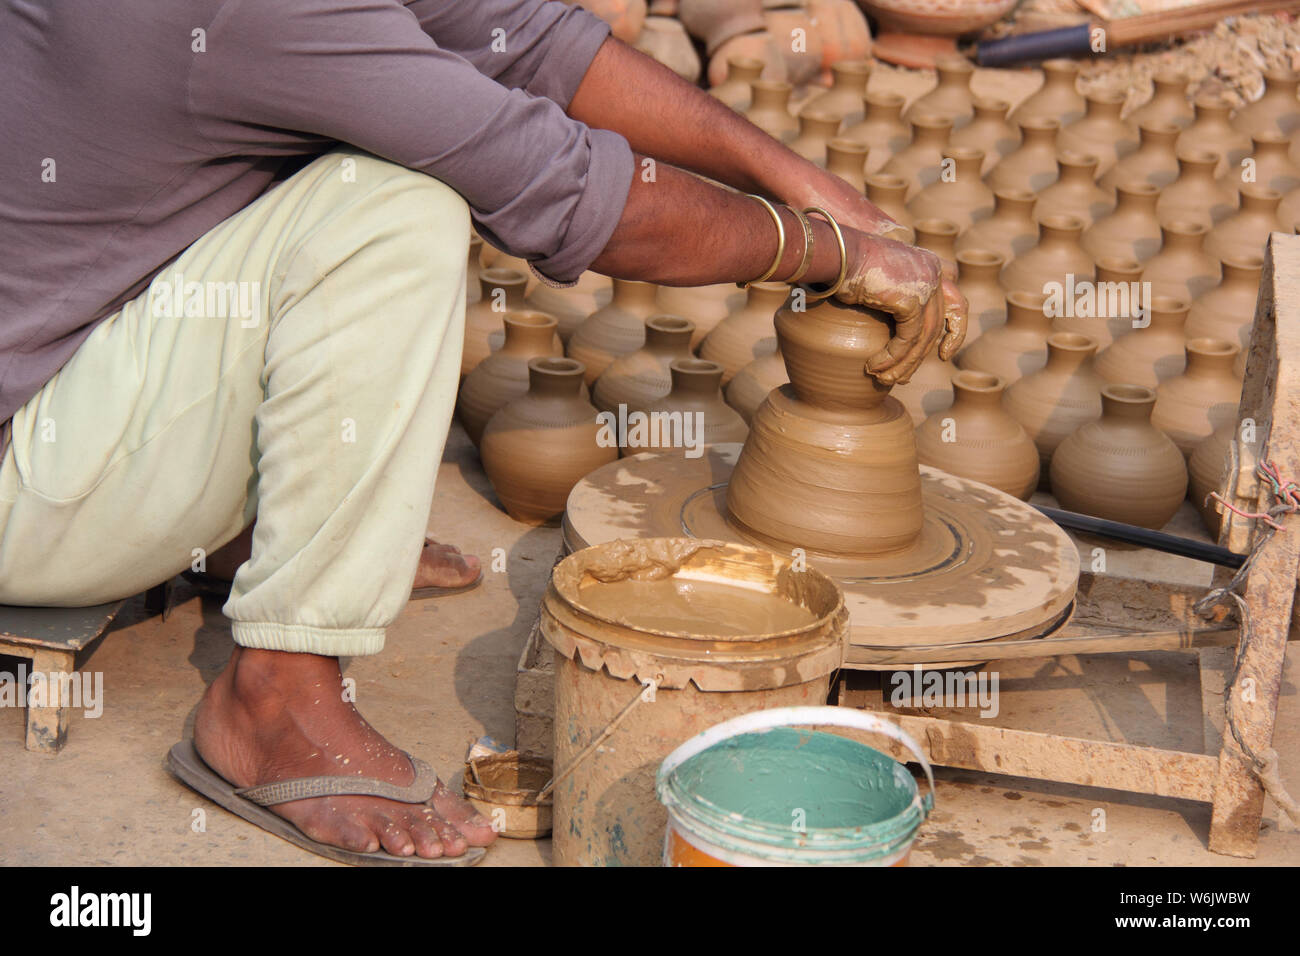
(704, 305)
(816, 129)
(494, 258)
(769, 109)
(976, 439)
(573, 305)
(614, 330)
(665, 40)
(1206, 470)
(750, 386)
(882, 129)
(844, 100)
(1168, 103)
(929, 390)
(1227, 311)
(1054, 260)
(988, 131)
(759, 45)
(887, 191)
(503, 376)
(641, 377)
(938, 236)
(1058, 97)
(747, 332)
(1212, 132)
(958, 195)
(537, 447)
(1132, 231)
(501, 291)
(716, 21)
(625, 17)
(1273, 165)
(919, 161)
(473, 288)
(1246, 231)
(1276, 110)
(1101, 131)
(1154, 161)
(697, 390)
(1009, 230)
(1075, 192)
(1107, 309)
(1150, 355)
(977, 278)
(1055, 400)
(848, 160)
(1017, 347)
(734, 90)
(1182, 268)
(1121, 467)
(1192, 405)
(845, 35)
(802, 51)
(951, 97)
(1196, 196)
(1031, 165)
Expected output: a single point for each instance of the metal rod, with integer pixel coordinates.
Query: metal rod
(1156, 540)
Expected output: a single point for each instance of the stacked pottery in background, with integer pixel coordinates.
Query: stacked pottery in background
(1101, 131)
(1032, 164)
(705, 305)
(1056, 263)
(697, 391)
(1115, 303)
(1017, 347)
(1190, 406)
(615, 329)
(844, 100)
(920, 161)
(1009, 230)
(1182, 268)
(1058, 97)
(977, 278)
(1227, 311)
(951, 96)
(747, 332)
(573, 305)
(1149, 355)
(1247, 229)
(501, 291)
(1075, 192)
(988, 131)
(882, 129)
(503, 376)
(1167, 103)
(1153, 162)
(1132, 231)
(958, 195)
(1196, 196)
(641, 377)
(1212, 132)
(749, 387)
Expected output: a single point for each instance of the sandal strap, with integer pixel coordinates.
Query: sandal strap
(303, 788)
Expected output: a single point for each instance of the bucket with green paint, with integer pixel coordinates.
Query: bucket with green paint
(756, 791)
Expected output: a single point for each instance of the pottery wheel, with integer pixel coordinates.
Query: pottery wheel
(986, 567)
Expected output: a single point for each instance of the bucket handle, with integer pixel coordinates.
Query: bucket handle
(762, 720)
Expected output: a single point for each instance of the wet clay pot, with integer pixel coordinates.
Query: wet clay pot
(830, 464)
(951, 97)
(1154, 161)
(1106, 310)
(1246, 230)
(1228, 310)
(697, 391)
(1062, 395)
(1206, 470)
(751, 385)
(1150, 355)
(741, 72)
(1273, 165)
(704, 305)
(616, 329)
(799, 42)
(1009, 230)
(843, 100)
(1276, 110)
(919, 161)
(988, 131)
(769, 109)
(473, 288)
(573, 305)
(641, 377)
(1031, 165)
(976, 439)
(1053, 261)
(958, 195)
(929, 390)
(665, 40)
(1192, 405)
(887, 191)
(848, 160)
(1196, 196)
(1058, 97)
(1168, 102)
(1212, 132)
(1182, 268)
(1132, 231)
(716, 21)
(747, 332)
(759, 45)
(816, 129)
(1101, 131)
(1075, 192)
(1121, 467)
(882, 129)
(503, 376)
(977, 278)
(1016, 348)
(501, 291)
(536, 448)
(939, 236)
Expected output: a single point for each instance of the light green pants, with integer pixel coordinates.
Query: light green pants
(307, 379)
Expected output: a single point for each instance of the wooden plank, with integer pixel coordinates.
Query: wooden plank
(56, 628)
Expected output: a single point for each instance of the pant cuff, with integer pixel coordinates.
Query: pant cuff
(304, 639)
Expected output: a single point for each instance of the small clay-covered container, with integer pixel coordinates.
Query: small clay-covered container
(1106, 310)
(572, 306)
(886, 191)
(1168, 102)
(769, 109)
(951, 97)
(843, 100)
(1056, 262)
(1154, 161)
(741, 72)
(1206, 470)
(704, 305)
(1075, 192)
(921, 161)
(1227, 311)
(1212, 132)
(1247, 230)
(977, 278)
(1196, 196)
(1276, 110)
(848, 160)
(816, 129)
(697, 391)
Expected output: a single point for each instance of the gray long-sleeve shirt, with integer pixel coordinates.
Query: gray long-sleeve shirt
(129, 129)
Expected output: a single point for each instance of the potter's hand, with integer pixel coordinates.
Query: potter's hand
(908, 283)
(849, 207)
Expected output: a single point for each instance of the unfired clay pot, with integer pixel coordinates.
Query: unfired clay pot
(1055, 259)
(1227, 311)
(1212, 132)
(848, 160)
(1192, 405)
(1246, 230)
(616, 329)
(1107, 313)
(1009, 230)
(1132, 231)
(571, 306)
(1168, 102)
(697, 390)
(988, 130)
(747, 332)
(843, 100)
(1205, 473)
(750, 386)
(664, 39)
(503, 376)
(536, 448)
(1148, 356)
(1062, 395)
(1101, 131)
(887, 191)
(977, 278)
(1057, 98)
(769, 109)
(816, 129)
(1275, 110)
(1031, 165)
(704, 305)
(939, 236)
(1154, 161)
(919, 161)
(951, 97)
(741, 72)
(958, 195)
(1075, 192)
(1182, 269)
(1273, 165)
(1121, 467)
(976, 439)
(501, 291)
(929, 390)
(759, 45)
(882, 129)
(1016, 348)
(641, 377)
(715, 21)
(1196, 196)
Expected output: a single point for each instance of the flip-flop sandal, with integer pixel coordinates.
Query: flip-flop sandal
(250, 803)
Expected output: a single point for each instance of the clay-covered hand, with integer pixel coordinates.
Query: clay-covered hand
(908, 283)
(850, 208)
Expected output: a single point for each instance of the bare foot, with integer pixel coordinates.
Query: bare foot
(273, 715)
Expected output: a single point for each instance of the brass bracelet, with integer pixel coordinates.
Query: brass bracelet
(809, 244)
(844, 257)
(780, 242)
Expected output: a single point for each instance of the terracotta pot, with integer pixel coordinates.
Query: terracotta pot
(1168, 102)
(747, 332)
(1192, 405)
(1149, 355)
(976, 439)
(1211, 132)
(697, 390)
(1054, 260)
(704, 305)
(816, 129)
(882, 130)
(625, 17)
(887, 191)
(1273, 165)
(938, 236)
(848, 160)
(1196, 196)
(958, 195)
(1075, 192)
(503, 376)
(641, 377)
(1032, 165)
(750, 386)
(665, 40)
(1206, 470)
(1058, 98)
(1182, 269)
(989, 131)
(1106, 310)
(616, 329)
(1062, 395)
(1227, 311)
(1154, 161)
(977, 278)
(843, 29)
(536, 448)
(1121, 467)
(769, 109)
(1017, 347)
(844, 100)
(1246, 230)
(716, 21)
(1132, 231)
(500, 291)
(951, 96)
(741, 72)
(571, 306)
(920, 160)
(929, 390)
(1276, 109)
(1101, 131)
(761, 46)
(1009, 230)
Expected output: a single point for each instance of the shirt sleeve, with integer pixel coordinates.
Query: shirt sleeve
(365, 72)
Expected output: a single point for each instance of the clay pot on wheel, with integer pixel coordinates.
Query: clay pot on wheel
(641, 377)
(1149, 355)
(1009, 231)
(696, 393)
(1032, 165)
(747, 332)
(1192, 405)
(1058, 97)
(503, 376)
(1100, 131)
(617, 329)
(750, 386)
(501, 291)
(1016, 348)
